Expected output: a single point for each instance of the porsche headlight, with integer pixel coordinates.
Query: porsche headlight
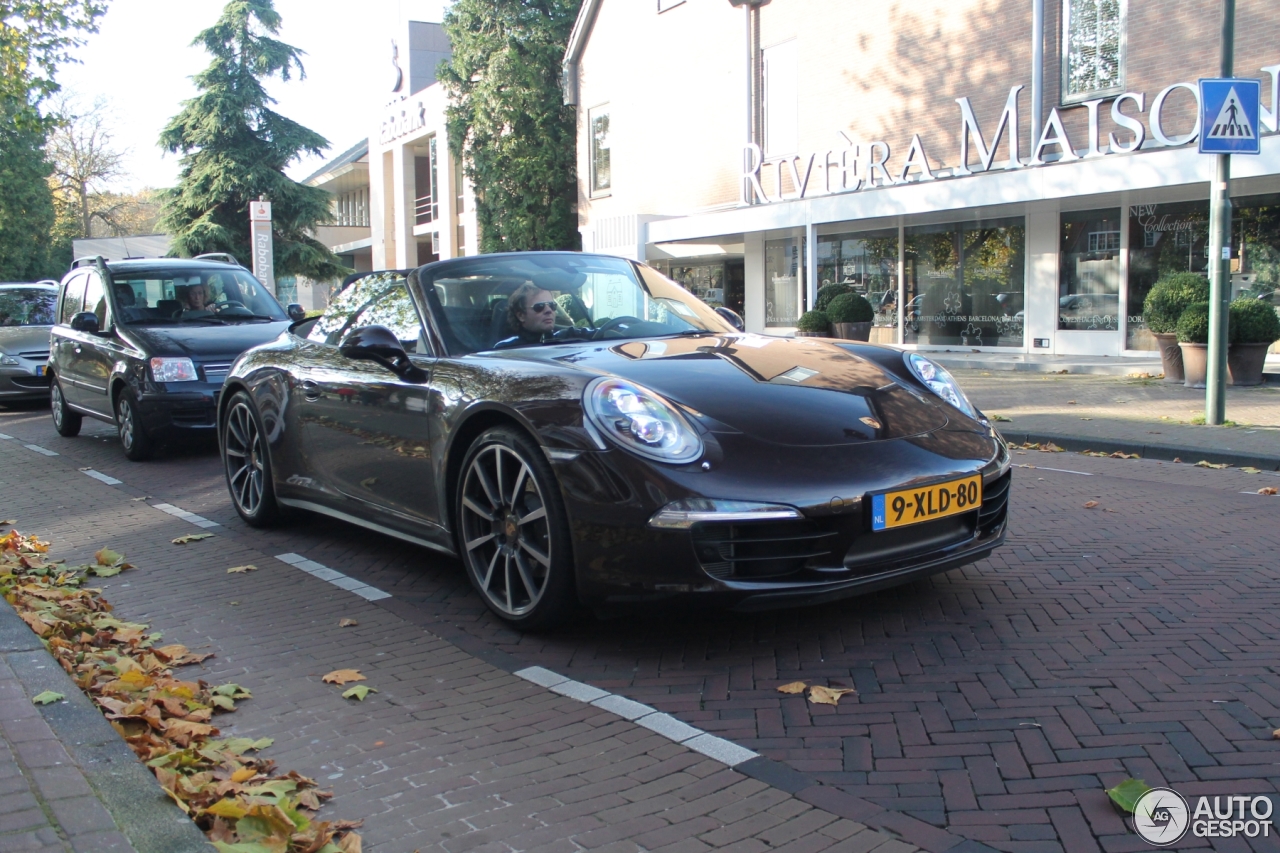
(173, 370)
(938, 380)
(641, 421)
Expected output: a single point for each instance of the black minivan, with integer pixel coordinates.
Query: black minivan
(146, 344)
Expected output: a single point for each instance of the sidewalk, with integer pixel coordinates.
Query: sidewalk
(455, 751)
(1120, 413)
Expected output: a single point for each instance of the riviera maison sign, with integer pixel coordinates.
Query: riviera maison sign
(855, 165)
(402, 121)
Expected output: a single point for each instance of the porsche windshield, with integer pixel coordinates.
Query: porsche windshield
(192, 296)
(502, 302)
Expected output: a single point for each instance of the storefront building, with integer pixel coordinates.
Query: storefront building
(1010, 176)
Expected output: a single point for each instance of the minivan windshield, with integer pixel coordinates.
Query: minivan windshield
(192, 296)
(534, 299)
(27, 306)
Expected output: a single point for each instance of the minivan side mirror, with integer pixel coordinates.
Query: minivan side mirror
(380, 344)
(734, 318)
(296, 312)
(85, 321)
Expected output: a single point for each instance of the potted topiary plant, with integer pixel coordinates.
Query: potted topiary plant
(1193, 340)
(813, 324)
(1254, 328)
(851, 315)
(1164, 305)
(830, 291)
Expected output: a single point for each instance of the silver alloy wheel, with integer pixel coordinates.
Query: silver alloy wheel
(124, 414)
(55, 401)
(505, 530)
(243, 451)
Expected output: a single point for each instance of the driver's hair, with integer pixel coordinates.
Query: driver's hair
(516, 303)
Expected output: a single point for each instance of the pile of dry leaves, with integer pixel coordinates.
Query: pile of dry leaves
(238, 798)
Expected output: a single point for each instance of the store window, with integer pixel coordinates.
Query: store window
(601, 163)
(426, 203)
(1093, 48)
(867, 262)
(781, 99)
(783, 281)
(1255, 261)
(965, 283)
(1163, 238)
(1089, 271)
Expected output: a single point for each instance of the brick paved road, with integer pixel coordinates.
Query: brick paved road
(1137, 638)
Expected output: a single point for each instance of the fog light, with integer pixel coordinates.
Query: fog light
(683, 514)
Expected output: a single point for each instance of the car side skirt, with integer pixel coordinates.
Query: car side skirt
(369, 525)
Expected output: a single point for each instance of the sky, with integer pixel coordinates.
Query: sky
(141, 63)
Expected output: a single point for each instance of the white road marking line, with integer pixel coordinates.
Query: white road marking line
(101, 477)
(1059, 470)
(724, 751)
(177, 512)
(4, 437)
(338, 579)
(38, 449)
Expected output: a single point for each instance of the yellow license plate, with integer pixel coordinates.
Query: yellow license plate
(926, 503)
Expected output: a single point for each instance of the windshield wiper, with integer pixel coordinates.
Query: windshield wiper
(266, 317)
(687, 333)
(217, 320)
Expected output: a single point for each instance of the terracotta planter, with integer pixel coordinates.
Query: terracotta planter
(852, 331)
(1245, 362)
(1170, 357)
(1195, 364)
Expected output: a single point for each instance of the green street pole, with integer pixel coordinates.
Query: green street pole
(1215, 398)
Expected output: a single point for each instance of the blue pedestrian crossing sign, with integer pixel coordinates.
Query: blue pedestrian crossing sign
(1229, 116)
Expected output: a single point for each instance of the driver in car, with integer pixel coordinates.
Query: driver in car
(531, 313)
(197, 302)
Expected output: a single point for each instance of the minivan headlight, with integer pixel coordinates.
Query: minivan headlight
(641, 421)
(938, 380)
(8, 360)
(173, 370)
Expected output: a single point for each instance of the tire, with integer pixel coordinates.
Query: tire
(65, 421)
(247, 464)
(137, 443)
(513, 531)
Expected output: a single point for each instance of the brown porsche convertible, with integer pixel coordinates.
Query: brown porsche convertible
(579, 429)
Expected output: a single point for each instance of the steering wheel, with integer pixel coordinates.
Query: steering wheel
(613, 324)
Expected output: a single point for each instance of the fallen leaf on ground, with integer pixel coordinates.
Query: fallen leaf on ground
(47, 697)
(1127, 793)
(827, 695)
(1090, 504)
(1086, 419)
(1204, 464)
(1178, 459)
(1071, 402)
(9, 522)
(351, 844)
(143, 498)
(1276, 734)
(347, 623)
(192, 537)
(1249, 469)
(1120, 454)
(1268, 490)
(342, 676)
(1050, 447)
(358, 692)
(244, 774)
(239, 570)
(793, 687)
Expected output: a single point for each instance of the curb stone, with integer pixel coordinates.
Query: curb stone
(1165, 452)
(129, 791)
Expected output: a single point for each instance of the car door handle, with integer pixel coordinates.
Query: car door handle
(310, 390)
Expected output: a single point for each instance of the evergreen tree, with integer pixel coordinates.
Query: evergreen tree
(508, 121)
(235, 149)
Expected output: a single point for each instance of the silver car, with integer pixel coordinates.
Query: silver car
(26, 315)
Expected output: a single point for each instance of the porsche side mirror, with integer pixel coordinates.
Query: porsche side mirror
(380, 344)
(733, 317)
(296, 312)
(85, 321)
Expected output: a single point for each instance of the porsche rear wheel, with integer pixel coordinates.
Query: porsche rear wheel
(513, 533)
(248, 464)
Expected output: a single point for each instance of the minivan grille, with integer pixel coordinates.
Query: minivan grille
(36, 355)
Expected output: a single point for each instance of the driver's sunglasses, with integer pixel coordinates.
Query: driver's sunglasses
(539, 307)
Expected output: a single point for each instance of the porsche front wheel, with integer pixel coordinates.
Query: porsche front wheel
(513, 533)
(247, 464)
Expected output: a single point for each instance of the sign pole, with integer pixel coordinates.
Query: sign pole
(1215, 399)
(264, 267)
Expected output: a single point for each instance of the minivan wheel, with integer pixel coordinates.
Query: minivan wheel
(513, 533)
(248, 464)
(65, 421)
(134, 439)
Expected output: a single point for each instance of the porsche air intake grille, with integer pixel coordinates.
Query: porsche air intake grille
(995, 503)
(760, 550)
